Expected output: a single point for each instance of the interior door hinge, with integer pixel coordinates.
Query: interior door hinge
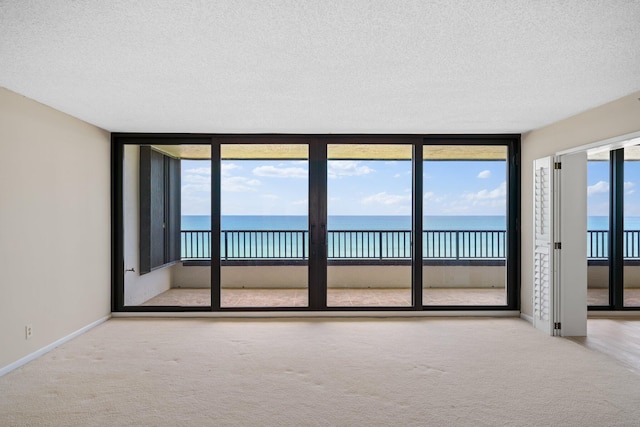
(557, 245)
(557, 165)
(557, 326)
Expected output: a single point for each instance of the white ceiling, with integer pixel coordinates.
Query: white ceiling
(359, 66)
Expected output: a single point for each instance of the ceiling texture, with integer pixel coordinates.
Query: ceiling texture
(335, 66)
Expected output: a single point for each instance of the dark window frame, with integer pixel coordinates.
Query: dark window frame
(317, 152)
(616, 261)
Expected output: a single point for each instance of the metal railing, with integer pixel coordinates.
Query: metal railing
(346, 244)
(464, 244)
(598, 244)
(378, 244)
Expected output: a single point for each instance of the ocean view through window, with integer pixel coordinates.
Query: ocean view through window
(312, 224)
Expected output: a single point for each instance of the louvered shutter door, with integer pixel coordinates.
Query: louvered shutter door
(543, 250)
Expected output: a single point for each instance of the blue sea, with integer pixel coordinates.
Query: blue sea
(388, 237)
(374, 222)
(345, 222)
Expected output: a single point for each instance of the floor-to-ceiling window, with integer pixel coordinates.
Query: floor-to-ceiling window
(631, 221)
(369, 204)
(166, 205)
(613, 237)
(315, 222)
(465, 193)
(598, 167)
(264, 222)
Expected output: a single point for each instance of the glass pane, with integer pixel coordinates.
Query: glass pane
(264, 236)
(369, 225)
(167, 203)
(631, 227)
(598, 228)
(464, 228)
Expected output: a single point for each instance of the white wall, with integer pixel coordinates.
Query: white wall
(55, 226)
(614, 119)
(137, 288)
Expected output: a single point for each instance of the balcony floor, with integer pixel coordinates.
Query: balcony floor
(235, 298)
(335, 297)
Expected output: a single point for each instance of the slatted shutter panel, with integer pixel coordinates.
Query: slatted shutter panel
(543, 245)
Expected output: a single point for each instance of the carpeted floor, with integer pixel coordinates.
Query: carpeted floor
(331, 372)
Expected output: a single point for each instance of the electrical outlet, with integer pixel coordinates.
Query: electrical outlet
(28, 331)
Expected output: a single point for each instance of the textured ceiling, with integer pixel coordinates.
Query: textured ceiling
(333, 66)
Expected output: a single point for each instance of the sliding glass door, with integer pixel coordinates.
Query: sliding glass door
(631, 242)
(465, 190)
(598, 167)
(264, 235)
(167, 225)
(369, 203)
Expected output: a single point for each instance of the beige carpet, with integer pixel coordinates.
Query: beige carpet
(382, 372)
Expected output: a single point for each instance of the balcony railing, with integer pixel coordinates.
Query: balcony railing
(598, 244)
(377, 244)
(346, 244)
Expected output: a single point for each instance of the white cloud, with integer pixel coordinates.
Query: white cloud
(199, 171)
(497, 193)
(338, 168)
(599, 187)
(429, 195)
(226, 168)
(196, 179)
(239, 184)
(629, 187)
(195, 188)
(300, 202)
(484, 174)
(236, 184)
(386, 199)
(280, 172)
(397, 175)
(270, 196)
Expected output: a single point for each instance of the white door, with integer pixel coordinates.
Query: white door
(560, 245)
(543, 257)
(571, 232)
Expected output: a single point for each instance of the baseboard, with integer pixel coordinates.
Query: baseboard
(596, 314)
(527, 317)
(319, 314)
(20, 362)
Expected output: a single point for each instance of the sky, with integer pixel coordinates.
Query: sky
(598, 188)
(378, 187)
(354, 187)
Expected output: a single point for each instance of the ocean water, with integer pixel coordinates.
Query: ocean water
(375, 222)
(345, 222)
(349, 236)
(388, 237)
